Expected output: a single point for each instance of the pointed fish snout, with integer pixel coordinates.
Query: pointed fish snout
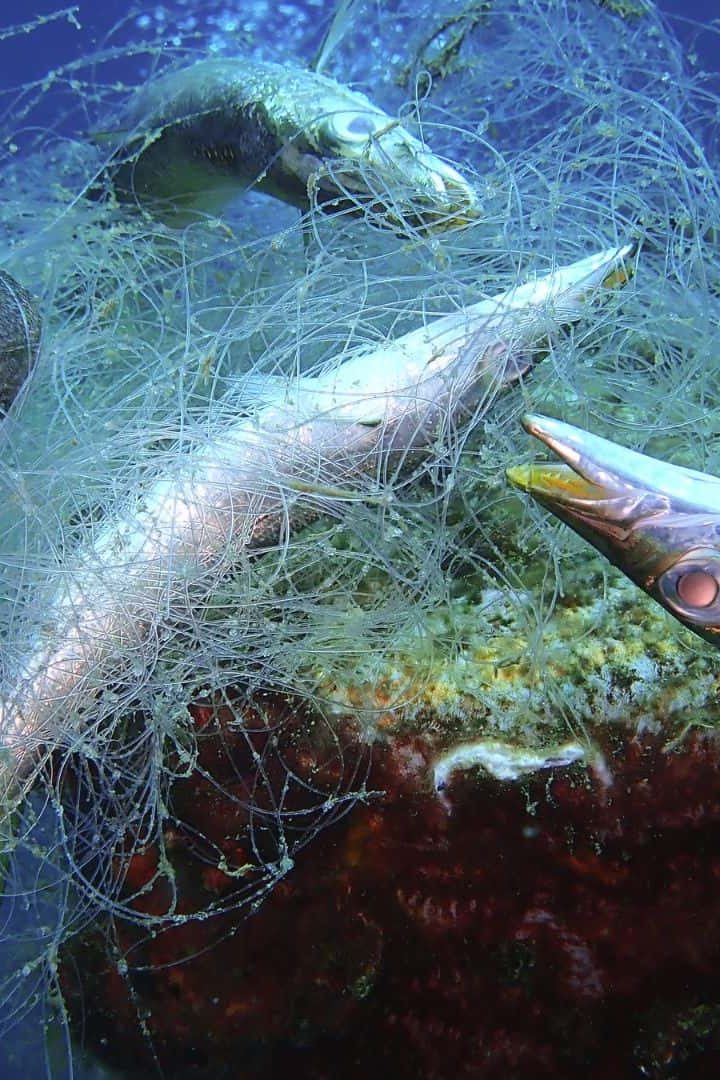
(657, 522)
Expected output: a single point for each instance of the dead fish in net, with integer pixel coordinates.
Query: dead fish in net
(658, 523)
(19, 338)
(194, 138)
(157, 559)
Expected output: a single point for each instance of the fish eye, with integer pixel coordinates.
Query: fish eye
(353, 127)
(691, 588)
(697, 588)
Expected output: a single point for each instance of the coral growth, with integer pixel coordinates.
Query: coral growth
(565, 925)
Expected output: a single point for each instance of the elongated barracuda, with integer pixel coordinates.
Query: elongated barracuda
(196, 137)
(154, 561)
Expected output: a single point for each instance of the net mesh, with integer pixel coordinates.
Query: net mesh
(274, 688)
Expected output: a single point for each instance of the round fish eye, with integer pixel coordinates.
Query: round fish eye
(360, 125)
(697, 588)
(353, 127)
(691, 588)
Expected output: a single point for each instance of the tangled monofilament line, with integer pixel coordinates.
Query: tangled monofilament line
(164, 346)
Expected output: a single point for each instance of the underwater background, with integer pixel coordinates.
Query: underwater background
(524, 923)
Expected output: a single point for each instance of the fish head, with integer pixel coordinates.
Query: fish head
(659, 523)
(353, 150)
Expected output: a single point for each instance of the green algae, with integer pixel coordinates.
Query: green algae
(603, 655)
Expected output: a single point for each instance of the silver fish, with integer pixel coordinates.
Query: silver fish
(159, 557)
(659, 523)
(196, 137)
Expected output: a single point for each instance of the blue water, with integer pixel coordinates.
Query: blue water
(60, 41)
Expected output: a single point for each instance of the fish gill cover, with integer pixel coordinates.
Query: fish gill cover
(184, 724)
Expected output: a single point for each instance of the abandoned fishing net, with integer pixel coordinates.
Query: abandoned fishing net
(213, 706)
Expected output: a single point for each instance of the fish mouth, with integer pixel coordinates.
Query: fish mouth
(423, 209)
(444, 194)
(555, 483)
(432, 193)
(596, 471)
(583, 477)
(600, 489)
(398, 183)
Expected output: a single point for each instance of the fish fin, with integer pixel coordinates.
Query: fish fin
(109, 135)
(339, 26)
